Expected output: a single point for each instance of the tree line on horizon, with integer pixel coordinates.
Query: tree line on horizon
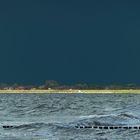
(53, 84)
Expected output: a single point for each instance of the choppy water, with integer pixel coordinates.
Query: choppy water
(54, 116)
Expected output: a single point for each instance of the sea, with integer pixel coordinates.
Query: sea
(69, 116)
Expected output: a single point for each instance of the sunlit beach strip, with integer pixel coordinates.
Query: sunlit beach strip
(70, 91)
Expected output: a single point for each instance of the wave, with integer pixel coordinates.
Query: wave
(123, 119)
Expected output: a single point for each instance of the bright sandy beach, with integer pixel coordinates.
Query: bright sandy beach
(70, 91)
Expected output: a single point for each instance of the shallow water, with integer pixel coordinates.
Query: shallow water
(56, 116)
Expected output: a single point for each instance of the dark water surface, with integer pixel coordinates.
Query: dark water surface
(54, 116)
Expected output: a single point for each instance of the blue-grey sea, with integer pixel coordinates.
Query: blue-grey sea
(59, 116)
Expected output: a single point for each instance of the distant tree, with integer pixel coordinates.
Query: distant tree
(30, 86)
(3, 85)
(80, 86)
(15, 85)
(51, 84)
(93, 86)
(131, 86)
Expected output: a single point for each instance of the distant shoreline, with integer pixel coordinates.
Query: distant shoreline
(71, 91)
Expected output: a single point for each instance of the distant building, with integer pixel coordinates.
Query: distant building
(20, 88)
(33, 88)
(41, 87)
(6, 88)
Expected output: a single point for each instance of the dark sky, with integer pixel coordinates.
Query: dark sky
(71, 41)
